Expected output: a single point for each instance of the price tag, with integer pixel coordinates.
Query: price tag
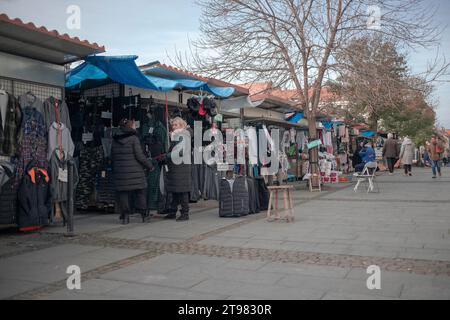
(62, 175)
(218, 118)
(87, 137)
(103, 174)
(106, 115)
(137, 124)
(151, 130)
(223, 167)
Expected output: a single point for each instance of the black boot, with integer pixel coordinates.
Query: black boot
(170, 216)
(183, 217)
(145, 214)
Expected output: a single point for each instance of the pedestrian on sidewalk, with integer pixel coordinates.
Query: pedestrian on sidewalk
(435, 151)
(179, 174)
(391, 152)
(407, 155)
(128, 162)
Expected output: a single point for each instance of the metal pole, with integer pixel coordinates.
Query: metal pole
(70, 200)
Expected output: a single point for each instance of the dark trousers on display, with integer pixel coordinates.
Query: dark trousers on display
(180, 198)
(124, 201)
(391, 164)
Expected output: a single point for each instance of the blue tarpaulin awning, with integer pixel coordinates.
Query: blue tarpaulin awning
(296, 117)
(123, 69)
(368, 134)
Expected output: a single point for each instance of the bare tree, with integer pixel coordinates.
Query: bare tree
(294, 43)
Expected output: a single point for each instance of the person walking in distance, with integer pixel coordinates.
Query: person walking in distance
(391, 152)
(129, 161)
(407, 155)
(179, 174)
(435, 151)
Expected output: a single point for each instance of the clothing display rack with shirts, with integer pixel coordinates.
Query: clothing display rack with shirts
(39, 105)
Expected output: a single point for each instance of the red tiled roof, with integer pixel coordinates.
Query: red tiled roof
(258, 88)
(54, 33)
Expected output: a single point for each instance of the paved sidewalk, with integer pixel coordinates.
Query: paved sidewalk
(324, 254)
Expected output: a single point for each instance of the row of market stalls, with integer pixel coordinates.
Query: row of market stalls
(66, 120)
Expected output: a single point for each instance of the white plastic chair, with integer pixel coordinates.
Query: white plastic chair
(368, 175)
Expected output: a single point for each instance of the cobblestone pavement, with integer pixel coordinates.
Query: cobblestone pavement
(337, 234)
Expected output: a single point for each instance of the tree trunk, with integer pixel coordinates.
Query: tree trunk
(314, 152)
(373, 122)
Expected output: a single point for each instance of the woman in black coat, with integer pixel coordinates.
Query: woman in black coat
(178, 181)
(128, 162)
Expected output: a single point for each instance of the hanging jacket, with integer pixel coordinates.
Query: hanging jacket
(129, 161)
(10, 134)
(263, 193)
(34, 141)
(59, 134)
(6, 172)
(59, 185)
(34, 199)
(54, 110)
(253, 196)
(233, 197)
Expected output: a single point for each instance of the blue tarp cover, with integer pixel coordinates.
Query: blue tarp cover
(123, 69)
(367, 134)
(296, 117)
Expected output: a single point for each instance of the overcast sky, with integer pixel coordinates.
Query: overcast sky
(152, 29)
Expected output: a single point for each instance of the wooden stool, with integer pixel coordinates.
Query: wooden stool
(289, 216)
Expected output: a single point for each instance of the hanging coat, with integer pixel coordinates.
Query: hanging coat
(10, 134)
(34, 199)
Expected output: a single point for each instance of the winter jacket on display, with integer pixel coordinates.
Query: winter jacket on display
(59, 134)
(407, 152)
(129, 161)
(179, 176)
(8, 202)
(55, 110)
(10, 134)
(391, 149)
(34, 199)
(233, 197)
(6, 172)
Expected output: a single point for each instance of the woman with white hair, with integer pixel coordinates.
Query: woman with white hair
(391, 152)
(178, 181)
